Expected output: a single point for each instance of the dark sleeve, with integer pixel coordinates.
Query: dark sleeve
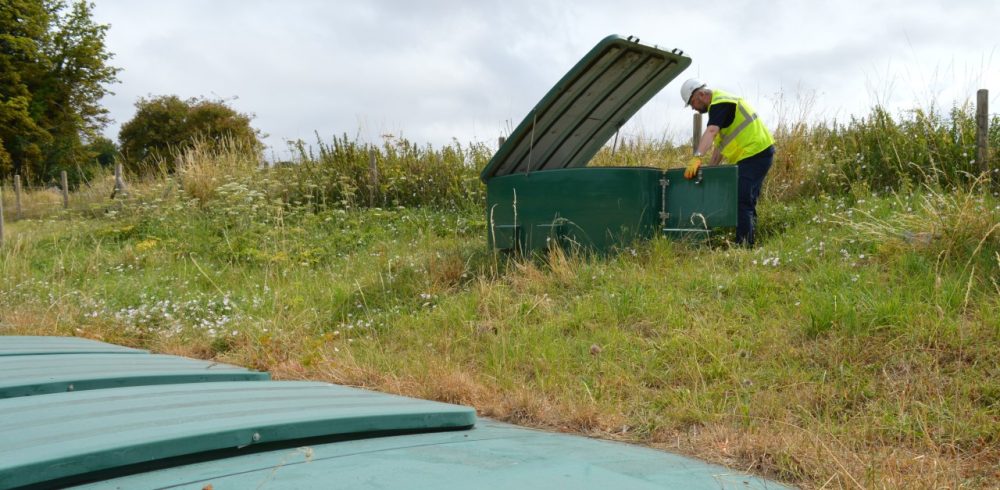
(722, 115)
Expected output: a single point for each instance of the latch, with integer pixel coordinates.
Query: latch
(664, 215)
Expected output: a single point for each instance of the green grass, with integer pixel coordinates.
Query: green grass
(858, 346)
(830, 352)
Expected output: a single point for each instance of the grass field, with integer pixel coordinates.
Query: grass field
(857, 347)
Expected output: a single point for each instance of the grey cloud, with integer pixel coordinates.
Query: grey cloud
(441, 69)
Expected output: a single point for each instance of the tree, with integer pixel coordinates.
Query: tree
(54, 69)
(166, 124)
(23, 25)
(102, 151)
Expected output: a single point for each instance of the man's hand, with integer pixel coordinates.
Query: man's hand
(692, 169)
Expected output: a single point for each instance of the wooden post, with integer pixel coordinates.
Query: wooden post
(372, 177)
(65, 189)
(697, 132)
(1, 216)
(982, 130)
(18, 214)
(119, 182)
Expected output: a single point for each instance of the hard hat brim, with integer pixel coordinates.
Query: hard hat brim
(694, 92)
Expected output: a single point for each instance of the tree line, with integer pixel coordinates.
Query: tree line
(55, 68)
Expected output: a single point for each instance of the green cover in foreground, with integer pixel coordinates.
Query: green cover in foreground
(42, 374)
(23, 345)
(71, 435)
(490, 456)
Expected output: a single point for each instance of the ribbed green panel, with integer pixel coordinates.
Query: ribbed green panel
(595, 98)
(47, 437)
(490, 456)
(18, 345)
(43, 374)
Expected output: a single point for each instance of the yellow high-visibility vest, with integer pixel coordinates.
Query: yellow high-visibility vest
(746, 136)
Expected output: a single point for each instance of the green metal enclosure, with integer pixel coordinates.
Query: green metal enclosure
(593, 207)
(540, 193)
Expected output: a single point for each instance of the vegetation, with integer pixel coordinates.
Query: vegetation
(858, 346)
(880, 153)
(54, 70)
(163, 127)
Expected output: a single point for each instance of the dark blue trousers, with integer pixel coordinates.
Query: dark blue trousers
(752, 171)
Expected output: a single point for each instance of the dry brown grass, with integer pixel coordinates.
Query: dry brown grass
(205, 166)
(47, 202)
(778, 448)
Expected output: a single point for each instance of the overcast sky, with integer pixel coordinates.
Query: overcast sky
(436, 70)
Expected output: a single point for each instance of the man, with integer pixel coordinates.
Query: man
(739, 137)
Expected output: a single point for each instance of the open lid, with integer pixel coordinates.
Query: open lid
(596, 98)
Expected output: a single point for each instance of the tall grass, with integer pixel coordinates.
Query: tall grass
(206, 165)
(881, 153)
(342, 173)
(642, 151)
(44, 202)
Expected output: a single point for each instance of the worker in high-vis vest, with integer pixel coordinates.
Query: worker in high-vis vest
(740, 138)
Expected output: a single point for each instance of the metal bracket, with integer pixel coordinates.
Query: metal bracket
(664, 215)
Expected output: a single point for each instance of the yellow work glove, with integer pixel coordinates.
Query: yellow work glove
(692, 169)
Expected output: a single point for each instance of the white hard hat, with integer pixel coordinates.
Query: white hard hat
(689, 88)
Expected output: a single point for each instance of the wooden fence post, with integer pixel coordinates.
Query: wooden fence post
(18, 214)
(697, 132)
(1, 216)
(119, 182)
(372, 177)
(65, 189)
(982, 130)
